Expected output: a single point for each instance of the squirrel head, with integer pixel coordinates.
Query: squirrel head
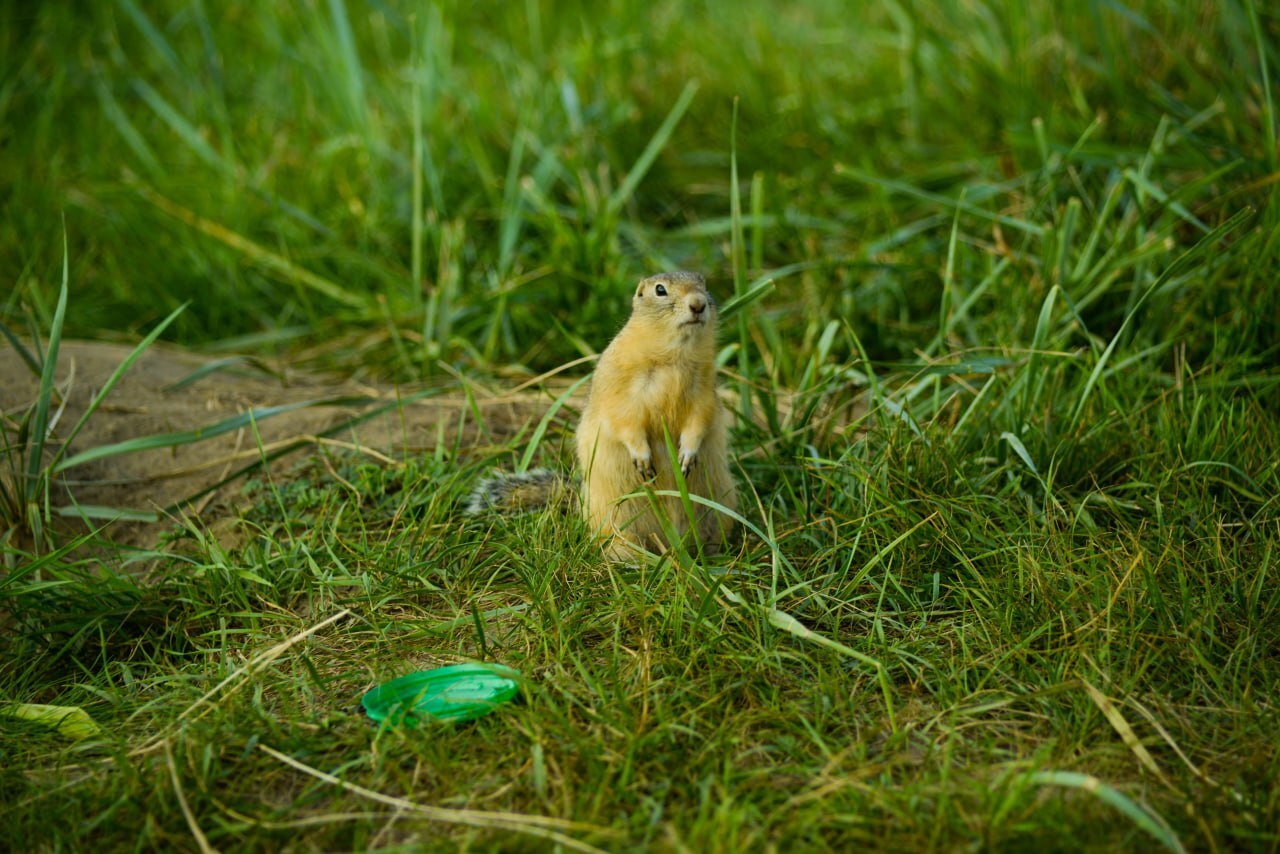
(679, 299)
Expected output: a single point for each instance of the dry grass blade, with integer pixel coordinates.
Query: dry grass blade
(1121, 726)
(546, 375)
(532, 825)
(1174, 746)
(298, 441)
(256, 664)
(251, 250)
(201, 840)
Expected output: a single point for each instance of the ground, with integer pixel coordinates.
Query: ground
(169, 390)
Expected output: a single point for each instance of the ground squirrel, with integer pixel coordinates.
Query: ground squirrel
(655, 380)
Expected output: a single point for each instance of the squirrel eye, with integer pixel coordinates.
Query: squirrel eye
(660, 291)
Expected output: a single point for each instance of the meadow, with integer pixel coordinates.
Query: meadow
(1002, 351)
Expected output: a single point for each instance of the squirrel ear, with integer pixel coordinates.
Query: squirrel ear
(640, 290)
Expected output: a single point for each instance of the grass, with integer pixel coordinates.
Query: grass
(1028, 599)
(30, 472)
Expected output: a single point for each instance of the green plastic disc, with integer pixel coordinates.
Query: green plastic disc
(458, 692)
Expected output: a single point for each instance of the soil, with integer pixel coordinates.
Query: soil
(169, 390)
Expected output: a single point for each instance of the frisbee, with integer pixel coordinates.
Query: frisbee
(457, 692)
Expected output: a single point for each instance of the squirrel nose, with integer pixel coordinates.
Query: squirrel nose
(697, 306)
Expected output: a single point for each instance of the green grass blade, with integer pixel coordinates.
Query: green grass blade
(1100, 221)
(119, 372)
(737, 256)
(756, 291)
(961, 312)
(512, 216)
(33, 566)
(758, 220)
(651, 151)
(1033, 385)
(21, 349)
(416, 186)
(40, 420)
(544, 423)
(216, 365)
(1268, 97)
(154, 37)
(1151, 823)
(948, 284)
(125, 127)
(1144, 183)
(179, 124)
(1181, 263)
(786, 622)
(352, 76)
(187, 437)
(924, 195)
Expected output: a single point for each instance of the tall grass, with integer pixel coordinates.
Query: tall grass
(1026, 597)
(539, 193)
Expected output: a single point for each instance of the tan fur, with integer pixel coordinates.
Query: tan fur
(658, 374)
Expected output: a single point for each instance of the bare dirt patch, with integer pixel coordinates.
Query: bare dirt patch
(159, 395)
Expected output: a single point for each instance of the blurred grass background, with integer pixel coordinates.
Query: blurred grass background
(457, 178)
(1029, 601)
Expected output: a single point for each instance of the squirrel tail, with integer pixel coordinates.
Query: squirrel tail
(518, 493)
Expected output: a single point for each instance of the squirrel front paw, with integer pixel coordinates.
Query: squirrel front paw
(687, 459)
(644, 465)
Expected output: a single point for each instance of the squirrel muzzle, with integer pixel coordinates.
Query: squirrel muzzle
(698, 314)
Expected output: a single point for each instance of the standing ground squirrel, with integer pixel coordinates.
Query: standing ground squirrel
(656, 379)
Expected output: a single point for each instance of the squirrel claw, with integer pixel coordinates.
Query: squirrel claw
(646, 469)
(686, 463)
